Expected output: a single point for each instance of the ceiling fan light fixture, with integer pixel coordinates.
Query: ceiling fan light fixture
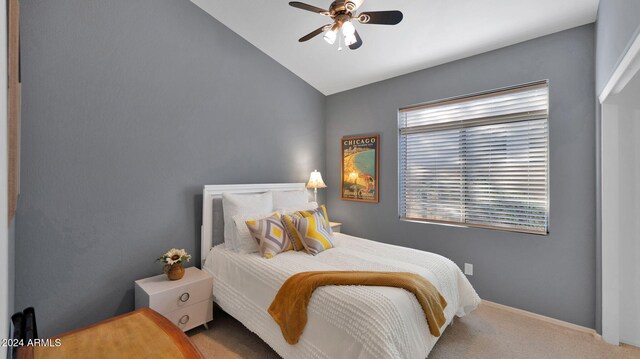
(331, 34)
(349, 33)
(352, 5)
(343, 14)
(350, 40)
(348, 29)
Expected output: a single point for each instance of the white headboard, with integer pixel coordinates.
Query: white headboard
(211, 231)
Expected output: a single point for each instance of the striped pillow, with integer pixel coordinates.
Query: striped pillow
(244, 240)
(322, 210)
(289, 222)
(270, 235)
(314, 233)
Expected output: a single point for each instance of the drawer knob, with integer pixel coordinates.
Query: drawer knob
(185, 297)
(184, 319)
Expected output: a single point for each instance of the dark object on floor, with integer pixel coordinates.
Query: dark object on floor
(30, 330)
(16, 334)
(23, 330)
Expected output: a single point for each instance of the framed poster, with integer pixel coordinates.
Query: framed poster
(360, 168)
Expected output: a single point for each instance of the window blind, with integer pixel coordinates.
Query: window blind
(478, 161)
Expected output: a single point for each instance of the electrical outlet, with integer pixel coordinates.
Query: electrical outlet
(468, 269)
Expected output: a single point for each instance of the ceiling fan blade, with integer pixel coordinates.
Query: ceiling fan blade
(303, 6)
(356, 45)
(392, 17)
(313, 33)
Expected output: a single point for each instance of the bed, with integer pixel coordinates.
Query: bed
(343, 321)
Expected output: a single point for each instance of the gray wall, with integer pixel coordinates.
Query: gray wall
(617, 25)
(551, 275)
(129, 107)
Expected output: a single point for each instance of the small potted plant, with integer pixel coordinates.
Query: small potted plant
(173, 263)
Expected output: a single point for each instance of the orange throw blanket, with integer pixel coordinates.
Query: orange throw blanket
(289, 307)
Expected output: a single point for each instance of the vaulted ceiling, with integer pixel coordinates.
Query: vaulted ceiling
(432, 32)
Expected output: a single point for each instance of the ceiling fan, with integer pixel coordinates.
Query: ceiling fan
(342, 12)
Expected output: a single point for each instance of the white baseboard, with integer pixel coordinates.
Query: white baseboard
(544, 318)
(633, 343)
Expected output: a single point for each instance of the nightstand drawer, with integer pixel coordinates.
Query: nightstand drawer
(193, 315)
(180, 297)
(165, 296)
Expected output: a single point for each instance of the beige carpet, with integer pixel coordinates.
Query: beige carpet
(487, 333)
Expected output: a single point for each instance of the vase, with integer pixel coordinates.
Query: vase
(174, 271)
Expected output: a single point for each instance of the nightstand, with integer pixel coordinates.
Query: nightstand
(336, 227)
(186, 302)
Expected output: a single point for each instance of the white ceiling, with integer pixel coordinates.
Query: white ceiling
(432, 32)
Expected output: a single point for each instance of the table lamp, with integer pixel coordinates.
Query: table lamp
(315, 182)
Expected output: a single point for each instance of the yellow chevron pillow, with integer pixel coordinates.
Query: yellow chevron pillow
(321, 210)
(288, 221)
(313, 231)
(270, 234)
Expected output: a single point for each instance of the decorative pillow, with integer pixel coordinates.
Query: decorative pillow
(244, 240)
(233, 204)
(289, 222)
(313, 233)
(322, 210)
(309, 206)
(285, 199)
(270, 235)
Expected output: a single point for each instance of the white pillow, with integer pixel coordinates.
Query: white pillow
(246, 242)
(309, 206)
(286, 199)
(234, 204)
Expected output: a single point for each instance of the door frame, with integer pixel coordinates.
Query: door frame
(5, 292)
(626, 70)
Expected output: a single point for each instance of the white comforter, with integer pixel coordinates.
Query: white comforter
(343, 321)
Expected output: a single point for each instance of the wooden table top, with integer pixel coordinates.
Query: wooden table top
(139, 334)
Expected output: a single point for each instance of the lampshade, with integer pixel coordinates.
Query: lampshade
(315, 180)
(348, 29)
(349, 32)
(350, 40)
(331, 34)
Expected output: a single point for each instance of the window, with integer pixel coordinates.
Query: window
(478, 161)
